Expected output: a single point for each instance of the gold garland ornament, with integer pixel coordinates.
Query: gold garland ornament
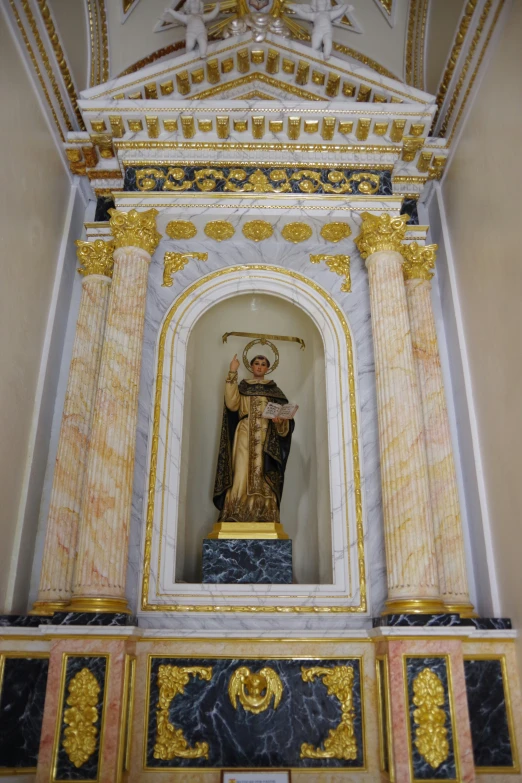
(96, 258)
(181, 229)
(135, 229)
(341, 742)
(257, 230)
(170, 741)
(381, 232)
(80, 736)
(261, 341)
(419, 261)
(296, 232)
(248, 687)
(334, 232)
(220, 230)
(431, 734)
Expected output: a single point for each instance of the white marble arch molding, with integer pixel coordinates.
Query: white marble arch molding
(160, 593)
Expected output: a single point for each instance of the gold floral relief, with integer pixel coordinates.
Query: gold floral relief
(175, 262)
(181, 229)
(381, 232)
(135, 229)
(296, 232)
(80, 736)
(248, 688)
(334, 232)
(340, 264)
(219, 230)
(419, 261)
(96, 258)
(170, 741)
(341, 742)
(431, 734)
(257, 230)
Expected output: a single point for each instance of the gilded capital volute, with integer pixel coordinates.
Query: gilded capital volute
(96, 258)
(135, 229)
(381, 232)
(419, 261)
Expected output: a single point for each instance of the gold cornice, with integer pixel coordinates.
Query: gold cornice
(95, 257)
(135, 229)
(99, 42)
(258, 76)
(415, 43)
(419, 261)
(381, 232)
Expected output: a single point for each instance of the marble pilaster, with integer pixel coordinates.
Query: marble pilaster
(69, 473)
(99, 581)
(449, 539)
(413, 584)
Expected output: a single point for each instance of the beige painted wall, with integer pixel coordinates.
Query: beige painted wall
(71, 21)
(33, 200)
(482, 203)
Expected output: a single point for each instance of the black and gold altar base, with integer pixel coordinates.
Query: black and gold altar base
(244, 561)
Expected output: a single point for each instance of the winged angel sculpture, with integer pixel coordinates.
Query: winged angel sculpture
(321, 14)
(248, 687)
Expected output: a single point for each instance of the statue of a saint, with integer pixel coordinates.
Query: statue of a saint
(253, 450)
(322, 14)
(194, 20)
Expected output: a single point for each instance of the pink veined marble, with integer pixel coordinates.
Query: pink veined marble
(449, 540)
(410, 549)
(71, 459)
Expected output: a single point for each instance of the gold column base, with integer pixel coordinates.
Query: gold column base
(48, 608)
(242, 530)
(414, 606)
(112, 605)
(465, 610)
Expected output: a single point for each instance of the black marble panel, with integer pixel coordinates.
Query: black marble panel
(93, 618)
(238, 738)
(189, 179)
(415, 620)
(247, 561)
(422, 770)
(102, 209)
(487, 713)
(410, 207)
(488, 623)
(65, 769)
(24, 620)
(21, 711)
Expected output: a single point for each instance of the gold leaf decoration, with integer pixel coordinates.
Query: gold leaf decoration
(431, 734)
(135, 229)
(334, 232)
(95, 257)
(341, 742)
(381, 232)
(80, 736)
(175, 262)
(340, 264)
(257, 230)
(296, 232)
(181, 229)
(170, 741)
(419, 261)
(219, 230)
(248, 687)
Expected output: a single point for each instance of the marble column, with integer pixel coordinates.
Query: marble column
(413, 584)
(99, 579)
(449, 540)
(71, 458)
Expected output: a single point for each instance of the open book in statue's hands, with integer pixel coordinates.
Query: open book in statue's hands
(275, 411)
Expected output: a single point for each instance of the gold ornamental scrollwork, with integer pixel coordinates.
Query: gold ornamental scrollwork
(219, 230)
(341, 742)
(96, 258)
(175, 262)
(431, 734)
(257, 230)
(248, 687)
(135, 229)
(340, 264)
(296, 232)
(170, 741)
(334, 232)
(419, 261)
(381, 232)
(181, 229)
(258, 182)
(80, 736)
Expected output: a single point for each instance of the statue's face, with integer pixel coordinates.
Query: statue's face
(194, 6)
(259, 367)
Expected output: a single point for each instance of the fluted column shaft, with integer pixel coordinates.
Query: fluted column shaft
(449, 539)
(71, 458)
(410, 549)
(99, 580)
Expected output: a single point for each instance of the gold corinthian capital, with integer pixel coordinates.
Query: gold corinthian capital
(381, 232)
(419, 261)
(95, 257)
(135, 229)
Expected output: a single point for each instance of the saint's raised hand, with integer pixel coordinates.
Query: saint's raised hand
(234, 364)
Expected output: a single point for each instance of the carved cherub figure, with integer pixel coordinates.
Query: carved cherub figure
(322, 14)
(194, 20)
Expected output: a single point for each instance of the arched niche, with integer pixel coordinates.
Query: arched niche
(163, 586)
